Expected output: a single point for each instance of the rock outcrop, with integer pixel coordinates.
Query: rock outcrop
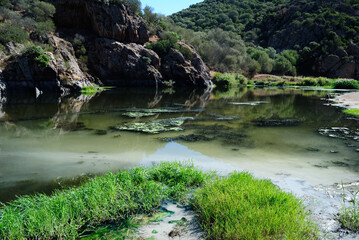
(113, 39)
(62, 74)
(186, 72)
(339, 65)
(113, 21)
(124, 64)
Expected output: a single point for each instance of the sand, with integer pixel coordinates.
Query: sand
(349, 100)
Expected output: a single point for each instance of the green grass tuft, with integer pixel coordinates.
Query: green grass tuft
(353, 112)
(241, 207)
(112, 197)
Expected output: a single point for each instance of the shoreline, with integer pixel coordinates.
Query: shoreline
(348, 100)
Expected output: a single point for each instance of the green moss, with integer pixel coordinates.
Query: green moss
(353, 112)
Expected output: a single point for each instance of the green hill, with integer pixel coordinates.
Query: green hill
(315, 28)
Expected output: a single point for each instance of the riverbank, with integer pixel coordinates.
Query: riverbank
(114, 198)
(349, 100)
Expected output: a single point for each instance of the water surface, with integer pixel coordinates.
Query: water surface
(46, 140)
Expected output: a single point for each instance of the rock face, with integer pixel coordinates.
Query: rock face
(338, 64)
(113, 21)
(124, 64)
(186, 72)
(132, 64)
(62, 74)
(114, 38)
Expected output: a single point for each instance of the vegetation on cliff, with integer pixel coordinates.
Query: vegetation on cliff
(19, 19)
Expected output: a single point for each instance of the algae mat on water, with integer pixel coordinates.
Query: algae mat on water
(156, 126)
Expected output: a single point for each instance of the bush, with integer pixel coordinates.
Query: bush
(43, 28)
(323, 81)
(42, 11)
(42, 60)
(38, 55)
(186, 52)
(345, 84)
(309, 82)
(12, 33)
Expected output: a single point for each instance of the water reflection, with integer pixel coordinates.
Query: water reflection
(50, 136)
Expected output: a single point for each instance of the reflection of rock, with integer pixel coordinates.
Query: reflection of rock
(226, 135)
(340, 132)
(156, 126)
(277, 122)
(187, 138)
(68, 113)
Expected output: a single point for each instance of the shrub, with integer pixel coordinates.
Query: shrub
(42, 60)
(43, 28)
(323, 81)
(42, 11)
(225, 80)
(308, 82)
(12, 33)
(38, 55)
(345, 84)
(147, 60)
(186, 52)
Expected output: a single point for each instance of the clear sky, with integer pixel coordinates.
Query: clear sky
(167, 7)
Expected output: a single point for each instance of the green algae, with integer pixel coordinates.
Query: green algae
(138, 114)
(156, 126)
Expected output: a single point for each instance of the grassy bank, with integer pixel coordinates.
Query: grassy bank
(353, 112)
(237, 207)
(233, 80)
(241, 207)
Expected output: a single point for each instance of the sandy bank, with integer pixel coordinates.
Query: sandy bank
(349, 100)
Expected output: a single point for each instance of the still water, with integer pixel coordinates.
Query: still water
(48, 140)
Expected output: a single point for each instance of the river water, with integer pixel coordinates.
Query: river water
(277, 133)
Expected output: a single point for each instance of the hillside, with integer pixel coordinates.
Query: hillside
(314, 28)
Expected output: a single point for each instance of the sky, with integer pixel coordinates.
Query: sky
(167, 7)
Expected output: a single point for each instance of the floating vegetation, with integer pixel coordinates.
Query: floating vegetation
(138, 114)
(340, 132)
(163, 110)
(156, 126)
(186, 138)
(219, 117)
(254, 103)
(277, 122)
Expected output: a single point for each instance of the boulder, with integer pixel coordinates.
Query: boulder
(189, 70)
(107, 20)
(124, 64)
(62, 74)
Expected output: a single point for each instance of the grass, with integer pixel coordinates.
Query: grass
(235, 207)
(109, 198)
(353, 112)
(241, 207)
(92, 90)
(349, 216)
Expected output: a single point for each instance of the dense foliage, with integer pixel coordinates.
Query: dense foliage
(312, 28)
(226, 51)
(18, 18)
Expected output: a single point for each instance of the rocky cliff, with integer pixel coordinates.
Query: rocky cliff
(113, 46)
